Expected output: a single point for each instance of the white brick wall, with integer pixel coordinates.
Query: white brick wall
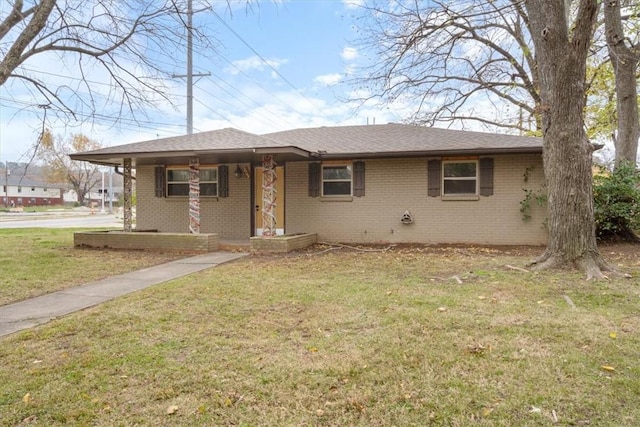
(393, 186)
(230, 217)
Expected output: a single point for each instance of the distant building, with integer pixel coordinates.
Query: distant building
(94, 196)
(24, 191)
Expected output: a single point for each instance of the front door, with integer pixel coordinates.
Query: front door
(279, 207)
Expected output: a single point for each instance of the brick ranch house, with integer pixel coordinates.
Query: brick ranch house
(388, 183)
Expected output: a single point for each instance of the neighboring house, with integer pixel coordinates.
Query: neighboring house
(95, 196)
(23, 191)
(355, 184)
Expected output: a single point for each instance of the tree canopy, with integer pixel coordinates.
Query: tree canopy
(510, 65)
(59, 168)
(123, 53)
(473, 64)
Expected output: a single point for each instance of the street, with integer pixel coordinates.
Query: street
(19, 220)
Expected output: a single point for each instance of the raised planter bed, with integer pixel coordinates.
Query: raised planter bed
(147, 240)
(282, 244)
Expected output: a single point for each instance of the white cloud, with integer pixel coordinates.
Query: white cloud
(353, 4)
(349, 53)
(328, 79)
(255, 63)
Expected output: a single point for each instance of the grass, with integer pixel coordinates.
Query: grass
(38, 261)
(40, 208)
(342, 339)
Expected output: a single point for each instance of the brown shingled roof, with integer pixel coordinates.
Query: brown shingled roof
(339, 141)
(221, 139)
(394, 139)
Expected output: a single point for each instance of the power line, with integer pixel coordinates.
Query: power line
(262, 59)
(256, 104)
(145, 124)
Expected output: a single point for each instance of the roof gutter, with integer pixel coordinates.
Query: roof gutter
(395, 154)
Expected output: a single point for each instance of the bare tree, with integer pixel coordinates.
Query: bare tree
(561, 49)
(59, 168)
(132, 43)
(529, 56)
(446, 57)
(451, 60)
(625, 56)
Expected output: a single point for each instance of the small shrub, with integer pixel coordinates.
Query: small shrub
(617, 203)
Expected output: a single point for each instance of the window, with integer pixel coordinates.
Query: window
(336, 180)
(178, 182)
(460, 177)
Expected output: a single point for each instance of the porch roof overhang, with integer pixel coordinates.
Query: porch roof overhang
(281, 154)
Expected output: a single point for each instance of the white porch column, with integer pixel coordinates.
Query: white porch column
(194, 195)
(268, 196)
(128, 216)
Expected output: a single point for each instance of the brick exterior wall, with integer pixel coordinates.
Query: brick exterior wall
(391, 187)
(177, 242)
(229, 217)
(282, 244)
(396, 185)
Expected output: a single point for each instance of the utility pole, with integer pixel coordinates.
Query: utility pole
(6, 183)
(110, 191)
(190, 74)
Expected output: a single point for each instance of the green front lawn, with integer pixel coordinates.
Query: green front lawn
(422, 336)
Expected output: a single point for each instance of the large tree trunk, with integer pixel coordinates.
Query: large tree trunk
(625, 62)
(567, 153)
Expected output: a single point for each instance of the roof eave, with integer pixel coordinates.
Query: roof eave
(431, 153)
(113, 158)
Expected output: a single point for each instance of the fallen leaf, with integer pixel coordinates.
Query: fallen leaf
(27, 398)
(442, 309)
(613, 335)
(607, 368)
(172, 410)
(313, 349)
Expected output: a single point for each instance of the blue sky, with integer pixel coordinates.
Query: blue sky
(280, 65)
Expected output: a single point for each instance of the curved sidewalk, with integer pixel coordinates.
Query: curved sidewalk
(36, 311)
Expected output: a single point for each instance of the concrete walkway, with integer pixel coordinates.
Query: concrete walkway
(36, 311)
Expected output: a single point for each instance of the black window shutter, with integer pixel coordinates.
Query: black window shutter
(160, 181)
(358, 179)
(434, 170)
(223, 181)
(486, 176)
(314, 179)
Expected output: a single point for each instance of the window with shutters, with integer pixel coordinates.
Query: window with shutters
(336, 180)
(460, 177)
(178, 182)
